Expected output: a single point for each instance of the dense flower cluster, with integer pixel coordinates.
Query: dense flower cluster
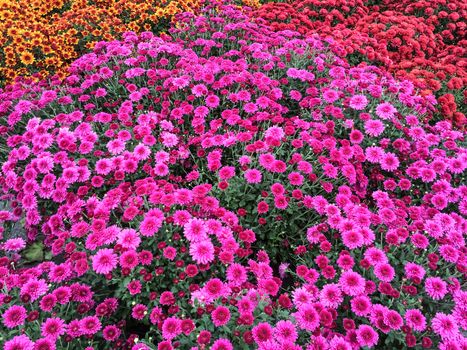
(225, 186)
(421, 41)
(43, 37)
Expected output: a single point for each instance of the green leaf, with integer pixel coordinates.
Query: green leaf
(34, 252)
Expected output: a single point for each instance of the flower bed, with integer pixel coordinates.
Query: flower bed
(225, 186)
(423, 41)
(41, 38)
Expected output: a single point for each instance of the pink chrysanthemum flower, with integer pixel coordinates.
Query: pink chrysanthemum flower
(169, 139)
(413, 270)
(285, 332)
(202, 252)
(14, 244)
(116, 147)
(385, 110)
(44, 344)
(195, 230)
(374, 127)
(222, 344)
(436, 288)
(139, 311)
(128, 238)
(307, 318)
(389, 162)
(212, 101)
(415, 320)
(90, 325)
(150, 225)
(330, 96)
(14, 316)
(111, 333)
(367, 336)
(352, 283)
(393, 319)
(361, 305)
(236, 274)
(384, 272)
(358, 102)
(53, 328)
(262, 332)
(275, 133)
(445, 326)
(20, 342)
(34, 288)
(129, 259)
(171, 328)
(331, 295)
(220, 316)
(253, 176)
(104, 261)
(374, 154)
(352, 239)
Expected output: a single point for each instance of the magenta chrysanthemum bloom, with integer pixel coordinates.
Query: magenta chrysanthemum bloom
(139, 311)
(415, 320)
(212, 101)
(389, 162)
(295, 178)
(352, 239)
(352, 283)
(104, 261)
(374, 127)
(44, 344)
(20, 342)
(262, 332)
(330, 96)
(436, 288)
(449, 253)
(14, 244)
(220, 316)
(141, 152)
(195, 230)
(222, 344)
(361, 305)
(338, 342)
(393, 319)
(274, 132)
(169, 139)
(202, 252)
(374, 154)
(128, 238)
(358, 102)
(439, 201)
(413, 270)
(385, 110)
(384, 272)
(111, 332)
(14, 316)
(34, 288)
(236, 274)
(53, 327)
(285, 332)
(253, 176)
(116, 147)
(171, 328)
(90, 325)
(445, 326)
(367, 336)
(307, 318)
(331, 295)
(301, 296)
(150, 225)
